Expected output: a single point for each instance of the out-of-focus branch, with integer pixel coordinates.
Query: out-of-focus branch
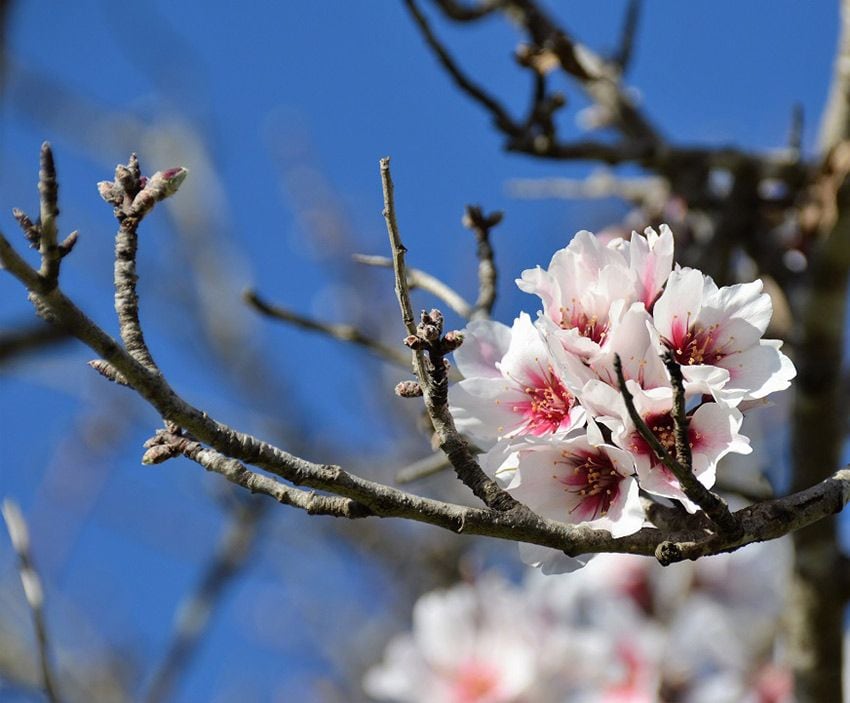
(835, 124)
(816, 604)
(622, 58)
(344, 333)
(593, 74)
(430, 465)
(500, 114)
(29, 337)
(480, 224)
(194, 614)
(417, 278)
(471, 12)
(34, 592)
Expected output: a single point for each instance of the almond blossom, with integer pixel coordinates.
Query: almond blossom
(585, 280)
(579, 480)
(513, 386)
(543, 399)
(713, 432)
(471, 644)
(715, 334)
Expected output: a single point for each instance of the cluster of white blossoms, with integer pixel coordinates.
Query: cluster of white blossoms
(541, 397)
(623, 630)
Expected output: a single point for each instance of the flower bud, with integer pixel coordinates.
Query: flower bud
(408, 389)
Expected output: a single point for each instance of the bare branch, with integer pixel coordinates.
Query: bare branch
(29, 337)
(127, 186)
(480, 225)
(432, 375)
(469, 13)
(48, 192)
(500, 115)
(344, 333)
(230, 450)
(622, 58)
(33, 590)
(428, 466)
(835, 123)
(591, 71)
(195, 612)
(416, 278)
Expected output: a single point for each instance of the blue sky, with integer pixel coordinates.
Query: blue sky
(293, 104)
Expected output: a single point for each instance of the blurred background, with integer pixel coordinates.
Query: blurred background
(163, 583)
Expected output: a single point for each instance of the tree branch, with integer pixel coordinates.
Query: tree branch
(34, 592)
(432, 376)
(835, 124)
(416, 278)
(344, 333)
(229, 450)
(480, 224)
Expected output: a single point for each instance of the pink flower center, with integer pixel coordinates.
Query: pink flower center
(589, 326)
(474, 681)
(548, 405)
(693, 344)
(594, 480)
(663, 428)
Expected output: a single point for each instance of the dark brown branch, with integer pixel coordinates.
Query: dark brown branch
(30, 337)
(469, 13)
(500, 115)
(344, 333)
(480, 225)
(593, 74)
(622, 58)
(816, 605)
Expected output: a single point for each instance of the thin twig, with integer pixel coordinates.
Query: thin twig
(166, 444)
(432, 376)
(48, 192)
(625, 51)
(416, 278)
(128, 183)
(500, 115)
(428, 466)
(680, 419)
(481, 224)
(195, 613)
(33, 336)
(344, 333)
(463, 13)
(33, 590)
(713, 506)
